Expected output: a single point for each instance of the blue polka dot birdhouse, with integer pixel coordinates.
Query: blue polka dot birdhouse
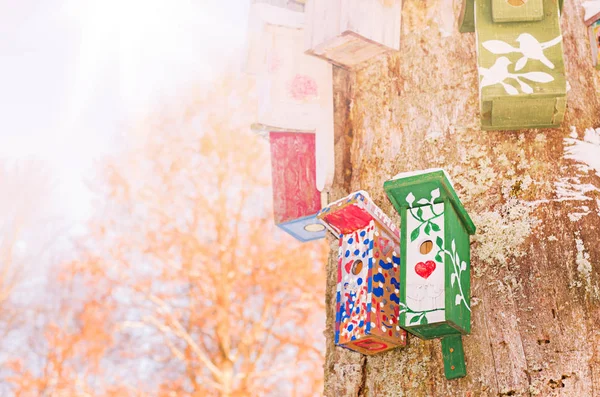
(435, 265)
(368, 278)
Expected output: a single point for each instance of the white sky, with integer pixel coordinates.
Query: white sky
(73, 73)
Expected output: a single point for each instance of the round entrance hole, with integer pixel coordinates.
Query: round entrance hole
(426, 247)
(314, 227)
(357, 267)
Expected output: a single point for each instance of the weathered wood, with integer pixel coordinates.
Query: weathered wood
(349, 33)
(535, 258)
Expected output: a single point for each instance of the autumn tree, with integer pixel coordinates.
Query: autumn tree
(209, 297)
(30, 230)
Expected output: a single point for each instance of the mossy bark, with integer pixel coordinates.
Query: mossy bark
(536, 304)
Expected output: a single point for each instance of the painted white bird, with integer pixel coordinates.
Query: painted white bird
(497, 74)
(533, 49)
(529, 46)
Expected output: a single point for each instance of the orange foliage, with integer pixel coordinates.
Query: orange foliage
(189, 288)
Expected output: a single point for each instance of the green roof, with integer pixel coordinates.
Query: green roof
(421, 184)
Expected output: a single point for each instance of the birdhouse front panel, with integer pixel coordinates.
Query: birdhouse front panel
(425, 282)
(367, 295)
(348, 33)
(435, 264)
(296, 199)
(521, 66)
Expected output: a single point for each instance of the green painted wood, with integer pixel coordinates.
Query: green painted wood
(454, 357)
(421, 186)
(458, 291)
(522, 71)
(466, 22)
(433, 331)
(517, 10)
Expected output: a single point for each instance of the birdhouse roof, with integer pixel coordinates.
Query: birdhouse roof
(592, 11)
(431, 186)
(354, 212)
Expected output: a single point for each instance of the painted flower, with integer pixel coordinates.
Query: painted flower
(303, 87)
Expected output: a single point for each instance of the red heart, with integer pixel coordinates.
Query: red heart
(425, 269)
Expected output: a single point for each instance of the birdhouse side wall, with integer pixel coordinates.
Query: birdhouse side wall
(456, 253)
(293, 170)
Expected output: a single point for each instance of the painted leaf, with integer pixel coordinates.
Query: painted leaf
(410, 198)
(438, 257)
(420, 213)
(540, 77)
(439, 242)
(510, 90)
(458, 299)
(435, 193)
(414, 320)
(456, 259)
(434, 227)
(526, 88)
(453, 245)
(498, 47)
(463, 266)
(521, 63)
(424, 320)
(415, 234)
(428, 228)
(422, 201)
(453, 279)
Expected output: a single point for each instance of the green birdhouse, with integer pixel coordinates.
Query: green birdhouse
(434, 262)
(520, 58)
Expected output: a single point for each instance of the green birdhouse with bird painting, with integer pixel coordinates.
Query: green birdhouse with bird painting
(520, 62)
(434, 262)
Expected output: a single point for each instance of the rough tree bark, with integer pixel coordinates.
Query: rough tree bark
(535, 257)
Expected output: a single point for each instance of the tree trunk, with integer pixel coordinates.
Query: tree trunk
(535, 256)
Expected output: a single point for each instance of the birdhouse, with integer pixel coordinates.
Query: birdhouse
(592, 20)
(435, 262)
(368, 277)
(295, 111)
(296, 199)
(522, 80)
(350, 32)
